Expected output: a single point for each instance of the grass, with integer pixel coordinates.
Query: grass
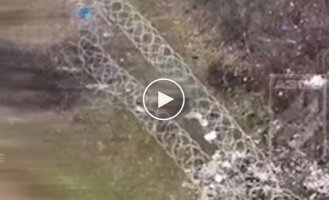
(100, 154)
(181, 32)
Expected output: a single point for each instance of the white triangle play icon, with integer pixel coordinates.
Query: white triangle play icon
(163, 99)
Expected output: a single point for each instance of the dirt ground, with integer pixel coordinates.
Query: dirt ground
(23, 25)
(73, 154)
(87, 154)
(35, 22)
(94, 158)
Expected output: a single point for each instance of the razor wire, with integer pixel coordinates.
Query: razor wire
(103, 75)
(88, 56)
(213, 118)
(230, 175)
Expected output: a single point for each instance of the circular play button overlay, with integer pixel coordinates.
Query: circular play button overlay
(163, 99)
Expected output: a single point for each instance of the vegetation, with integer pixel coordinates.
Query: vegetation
(98, 155)
(272, 36)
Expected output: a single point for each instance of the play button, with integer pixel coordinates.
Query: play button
(163, 99)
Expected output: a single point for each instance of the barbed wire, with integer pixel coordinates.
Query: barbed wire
(87, 56)
(235, 171)
(212, 117)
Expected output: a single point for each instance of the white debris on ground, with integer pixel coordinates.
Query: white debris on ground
(276, 124)
(69, 69)
(210, 137)
(140, 109)
(107, 34)
(316, 81)
(317, 180)
(231, 175)
(98, 86)
(198, 116)
(219, 178)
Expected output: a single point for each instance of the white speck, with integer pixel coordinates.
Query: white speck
(313, 196)
(140, 109)
(262, 176)
(288, 70)
(197, 116)
(210, 136)
(226, 164)
(97, 86)
(106, 34)
(193, 115)
(69, 69)
(216, 156)
(317, 81)
(237, 155)
(203, 122)
(219, 178)
(280, 93)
